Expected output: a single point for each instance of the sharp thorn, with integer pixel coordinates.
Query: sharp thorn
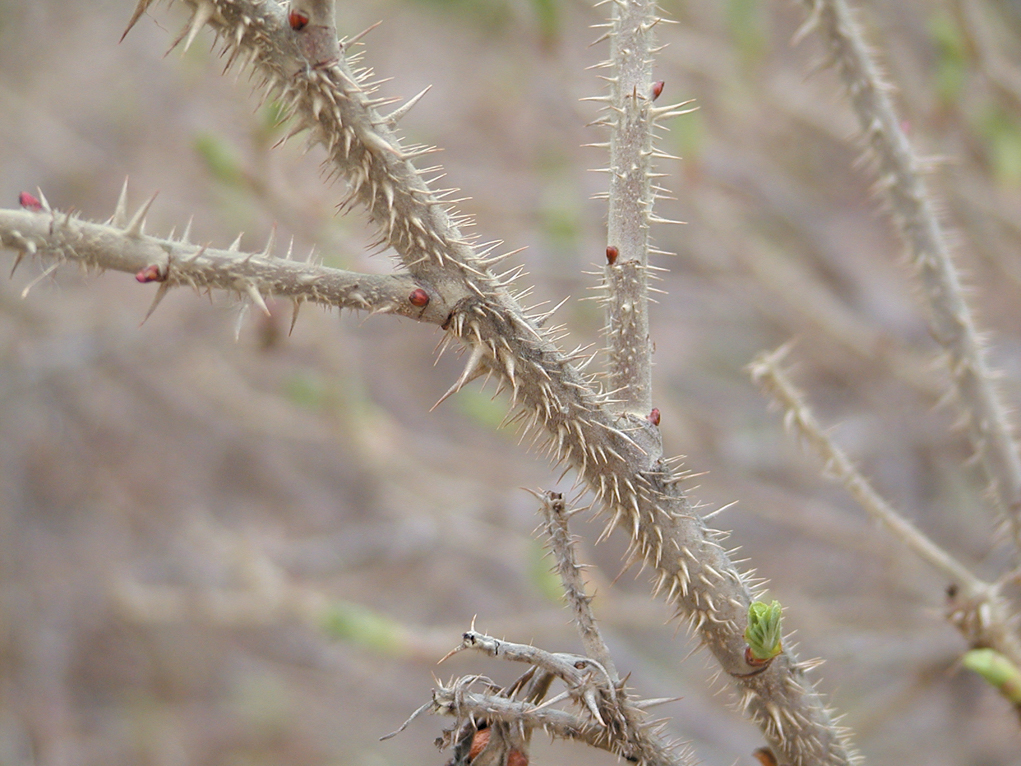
(257, 299)
(136, 226)
(164, 288)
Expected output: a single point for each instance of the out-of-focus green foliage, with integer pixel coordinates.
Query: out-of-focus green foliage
(541, 574)
(220, 159)
(493, 15)
(1002, 134)
(480, 406)
(745, 22)
(688, 135)
(547, 16)
(561, 217)
(311, 392)
(364, 627)
(271, 119)
(951, 56)
(499, 15)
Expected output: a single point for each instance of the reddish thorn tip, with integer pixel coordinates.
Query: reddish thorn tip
(657, 88)
(654, 416)
(297, 20)
(419, 297)
(150, 273)
(611, 254)
(30, 202)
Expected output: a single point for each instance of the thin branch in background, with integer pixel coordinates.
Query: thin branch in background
(1004, 75)
(632, 121)
(912, 207)
(976, 607)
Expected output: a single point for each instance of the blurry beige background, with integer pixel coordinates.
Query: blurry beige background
(180, 511)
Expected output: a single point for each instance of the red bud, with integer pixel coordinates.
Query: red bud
(657, 88)
(150, 273)
(30, 202)
(611, 254)
(297, 20)
(419, 297)
(654, 416)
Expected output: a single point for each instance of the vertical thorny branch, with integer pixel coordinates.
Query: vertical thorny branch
(631, 119)
(448, 280)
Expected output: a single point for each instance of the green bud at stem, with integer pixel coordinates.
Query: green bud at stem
(763, 633)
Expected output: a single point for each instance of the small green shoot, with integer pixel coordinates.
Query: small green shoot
(763, 633)
(997, 670)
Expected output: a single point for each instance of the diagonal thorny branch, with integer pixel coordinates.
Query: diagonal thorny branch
(327, 94)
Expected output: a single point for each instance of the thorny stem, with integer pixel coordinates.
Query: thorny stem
(462, 704)
(976, 607)
(63, 237)
(626, 721)
(630, 198)
(636, 488)
(913, 210)
(554, 515)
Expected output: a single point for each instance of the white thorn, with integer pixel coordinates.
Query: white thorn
(120, 213)
(136, 226)
(256, 296)
(37, 280)
(164, 288)
(398, 113)
(467, 374)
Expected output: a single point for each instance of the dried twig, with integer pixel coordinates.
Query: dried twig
(976, 607)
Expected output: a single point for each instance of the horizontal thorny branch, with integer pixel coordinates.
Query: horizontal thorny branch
(122, 245)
